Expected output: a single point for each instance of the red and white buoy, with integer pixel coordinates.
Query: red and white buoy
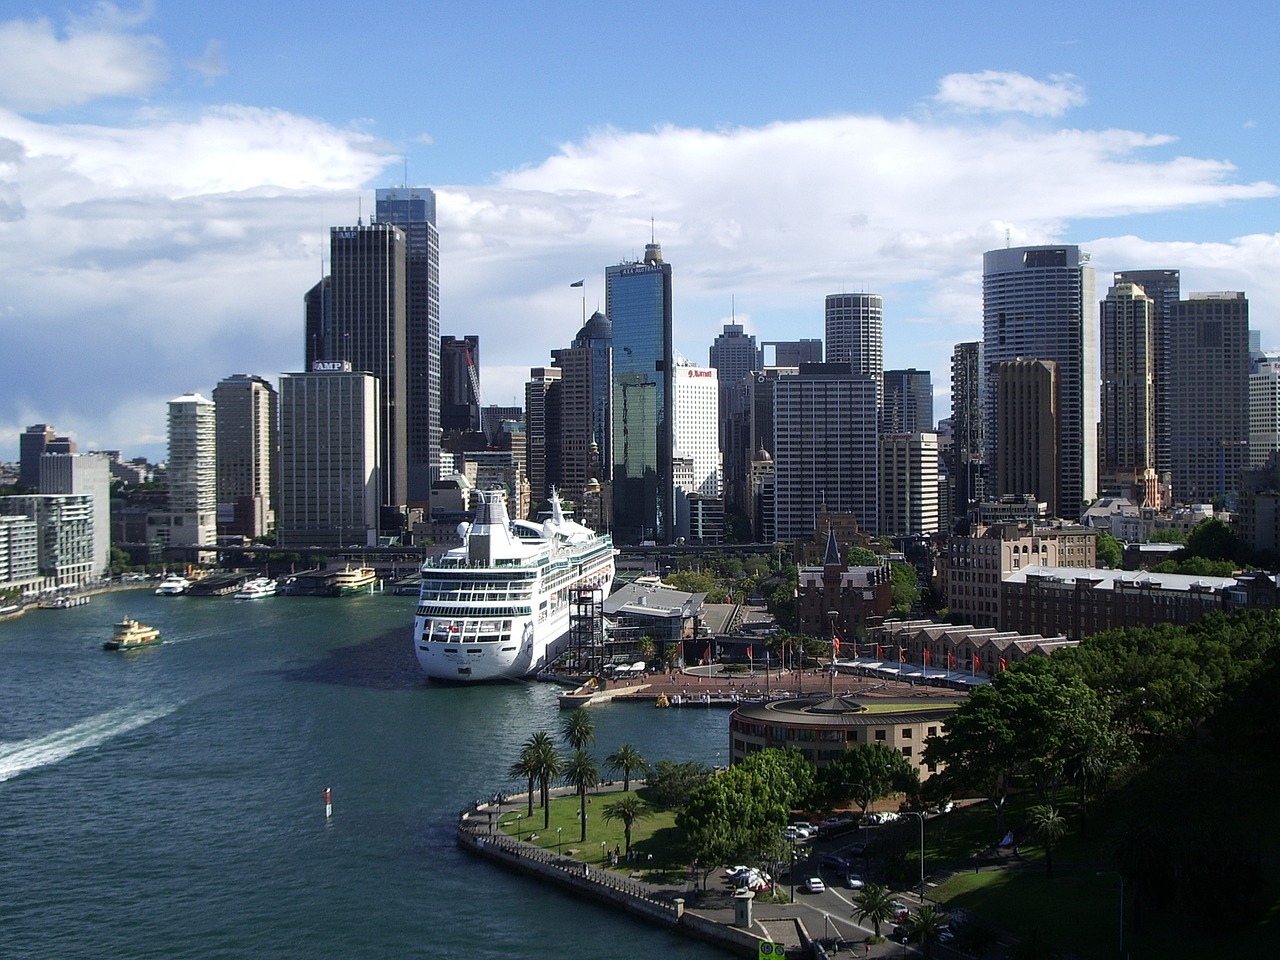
(328, 804)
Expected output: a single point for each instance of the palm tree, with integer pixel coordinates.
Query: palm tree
(628, 810)
(582, 772)
(579, 729)
(875, 903)
(927, 923)
(626, 760)
(547, 763)
(1048, 826)
(523, 769)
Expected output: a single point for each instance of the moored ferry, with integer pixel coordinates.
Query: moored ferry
(257, 589)
(173, 586)
(497, 607)
(354, 580)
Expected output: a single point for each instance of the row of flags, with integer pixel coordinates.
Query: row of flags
(902, 656)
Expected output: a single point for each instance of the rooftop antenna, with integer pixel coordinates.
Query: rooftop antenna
(652, 237)
(1007, 243)
(359, 211)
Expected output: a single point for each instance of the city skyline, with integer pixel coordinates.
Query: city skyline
(169, 180)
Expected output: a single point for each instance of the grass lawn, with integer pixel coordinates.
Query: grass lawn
(657, 841)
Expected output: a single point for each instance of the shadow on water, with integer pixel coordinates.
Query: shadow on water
(384, 662)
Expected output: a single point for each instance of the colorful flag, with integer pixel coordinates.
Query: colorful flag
(748, 653)
(977, 664)
(928, 657)
(879, 652)
(902, 654)
(951, 661)
(1004, 664)
(835, 642)
(577, 283)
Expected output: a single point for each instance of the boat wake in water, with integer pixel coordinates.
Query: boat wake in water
(24, 755)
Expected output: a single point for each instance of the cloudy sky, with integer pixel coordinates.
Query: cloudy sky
(168, 172)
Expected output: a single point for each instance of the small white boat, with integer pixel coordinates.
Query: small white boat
(173, 586)
(256, 589)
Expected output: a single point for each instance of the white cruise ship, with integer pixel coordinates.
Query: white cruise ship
(497, 607)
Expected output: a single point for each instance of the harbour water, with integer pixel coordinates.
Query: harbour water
(169, 801)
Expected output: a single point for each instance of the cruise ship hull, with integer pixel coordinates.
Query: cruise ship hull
(498, 607)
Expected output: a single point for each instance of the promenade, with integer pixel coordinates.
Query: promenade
(802, 926)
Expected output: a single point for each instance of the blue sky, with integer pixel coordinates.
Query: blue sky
(168, 172)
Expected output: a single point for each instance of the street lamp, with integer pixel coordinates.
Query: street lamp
(791, 874)
(558, 829)
(920, 816)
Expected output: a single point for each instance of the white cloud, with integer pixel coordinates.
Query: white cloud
(93, 59)
(212, 63)
(147, 260)
(996, 91)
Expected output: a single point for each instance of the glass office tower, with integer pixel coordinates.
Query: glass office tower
(638, 305)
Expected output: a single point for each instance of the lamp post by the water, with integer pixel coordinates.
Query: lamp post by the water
(558, 841)
(921, 817)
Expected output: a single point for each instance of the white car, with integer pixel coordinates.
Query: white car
(815, 885)
(853, 881)
(805, 830)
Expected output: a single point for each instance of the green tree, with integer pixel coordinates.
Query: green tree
(670, 783)
(524, 768)
(862, 557)
(547, 763)
(579, 729)
(874, 904)
(627, 810)
(1109, 551)
(926, 923)
(905, 588)
(582, 773)
(1048, 826)
(786, 776)
(732, 816)
(864, 774)
(626, 760)
(1213, 540)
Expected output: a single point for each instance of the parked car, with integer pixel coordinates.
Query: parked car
(853, 881)
(815, 885)
(805, 830)
(833, 860)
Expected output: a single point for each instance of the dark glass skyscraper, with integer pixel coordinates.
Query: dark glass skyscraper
(368, 330)
(638, 305)
(413, 210)
(459, 402)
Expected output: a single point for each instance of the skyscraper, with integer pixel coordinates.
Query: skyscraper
(695, 412)
(543, 432)
(1128, 326)
(1209, 413)
(88, 475)
(855, 332)
(31, 447)
(247, 414)
(413, 210)
(790, 353)
(459, 404)
(1038, 304)
(827, 451)
(638, 305)
(596, 338)
(968, 426)
(193, 471)
(1164, 287)
(369, 332)
(908, 402)
(1027, 430)
(330, 491)
(909, 484)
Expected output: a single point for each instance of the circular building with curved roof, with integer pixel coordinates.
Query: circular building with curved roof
(823, 728)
